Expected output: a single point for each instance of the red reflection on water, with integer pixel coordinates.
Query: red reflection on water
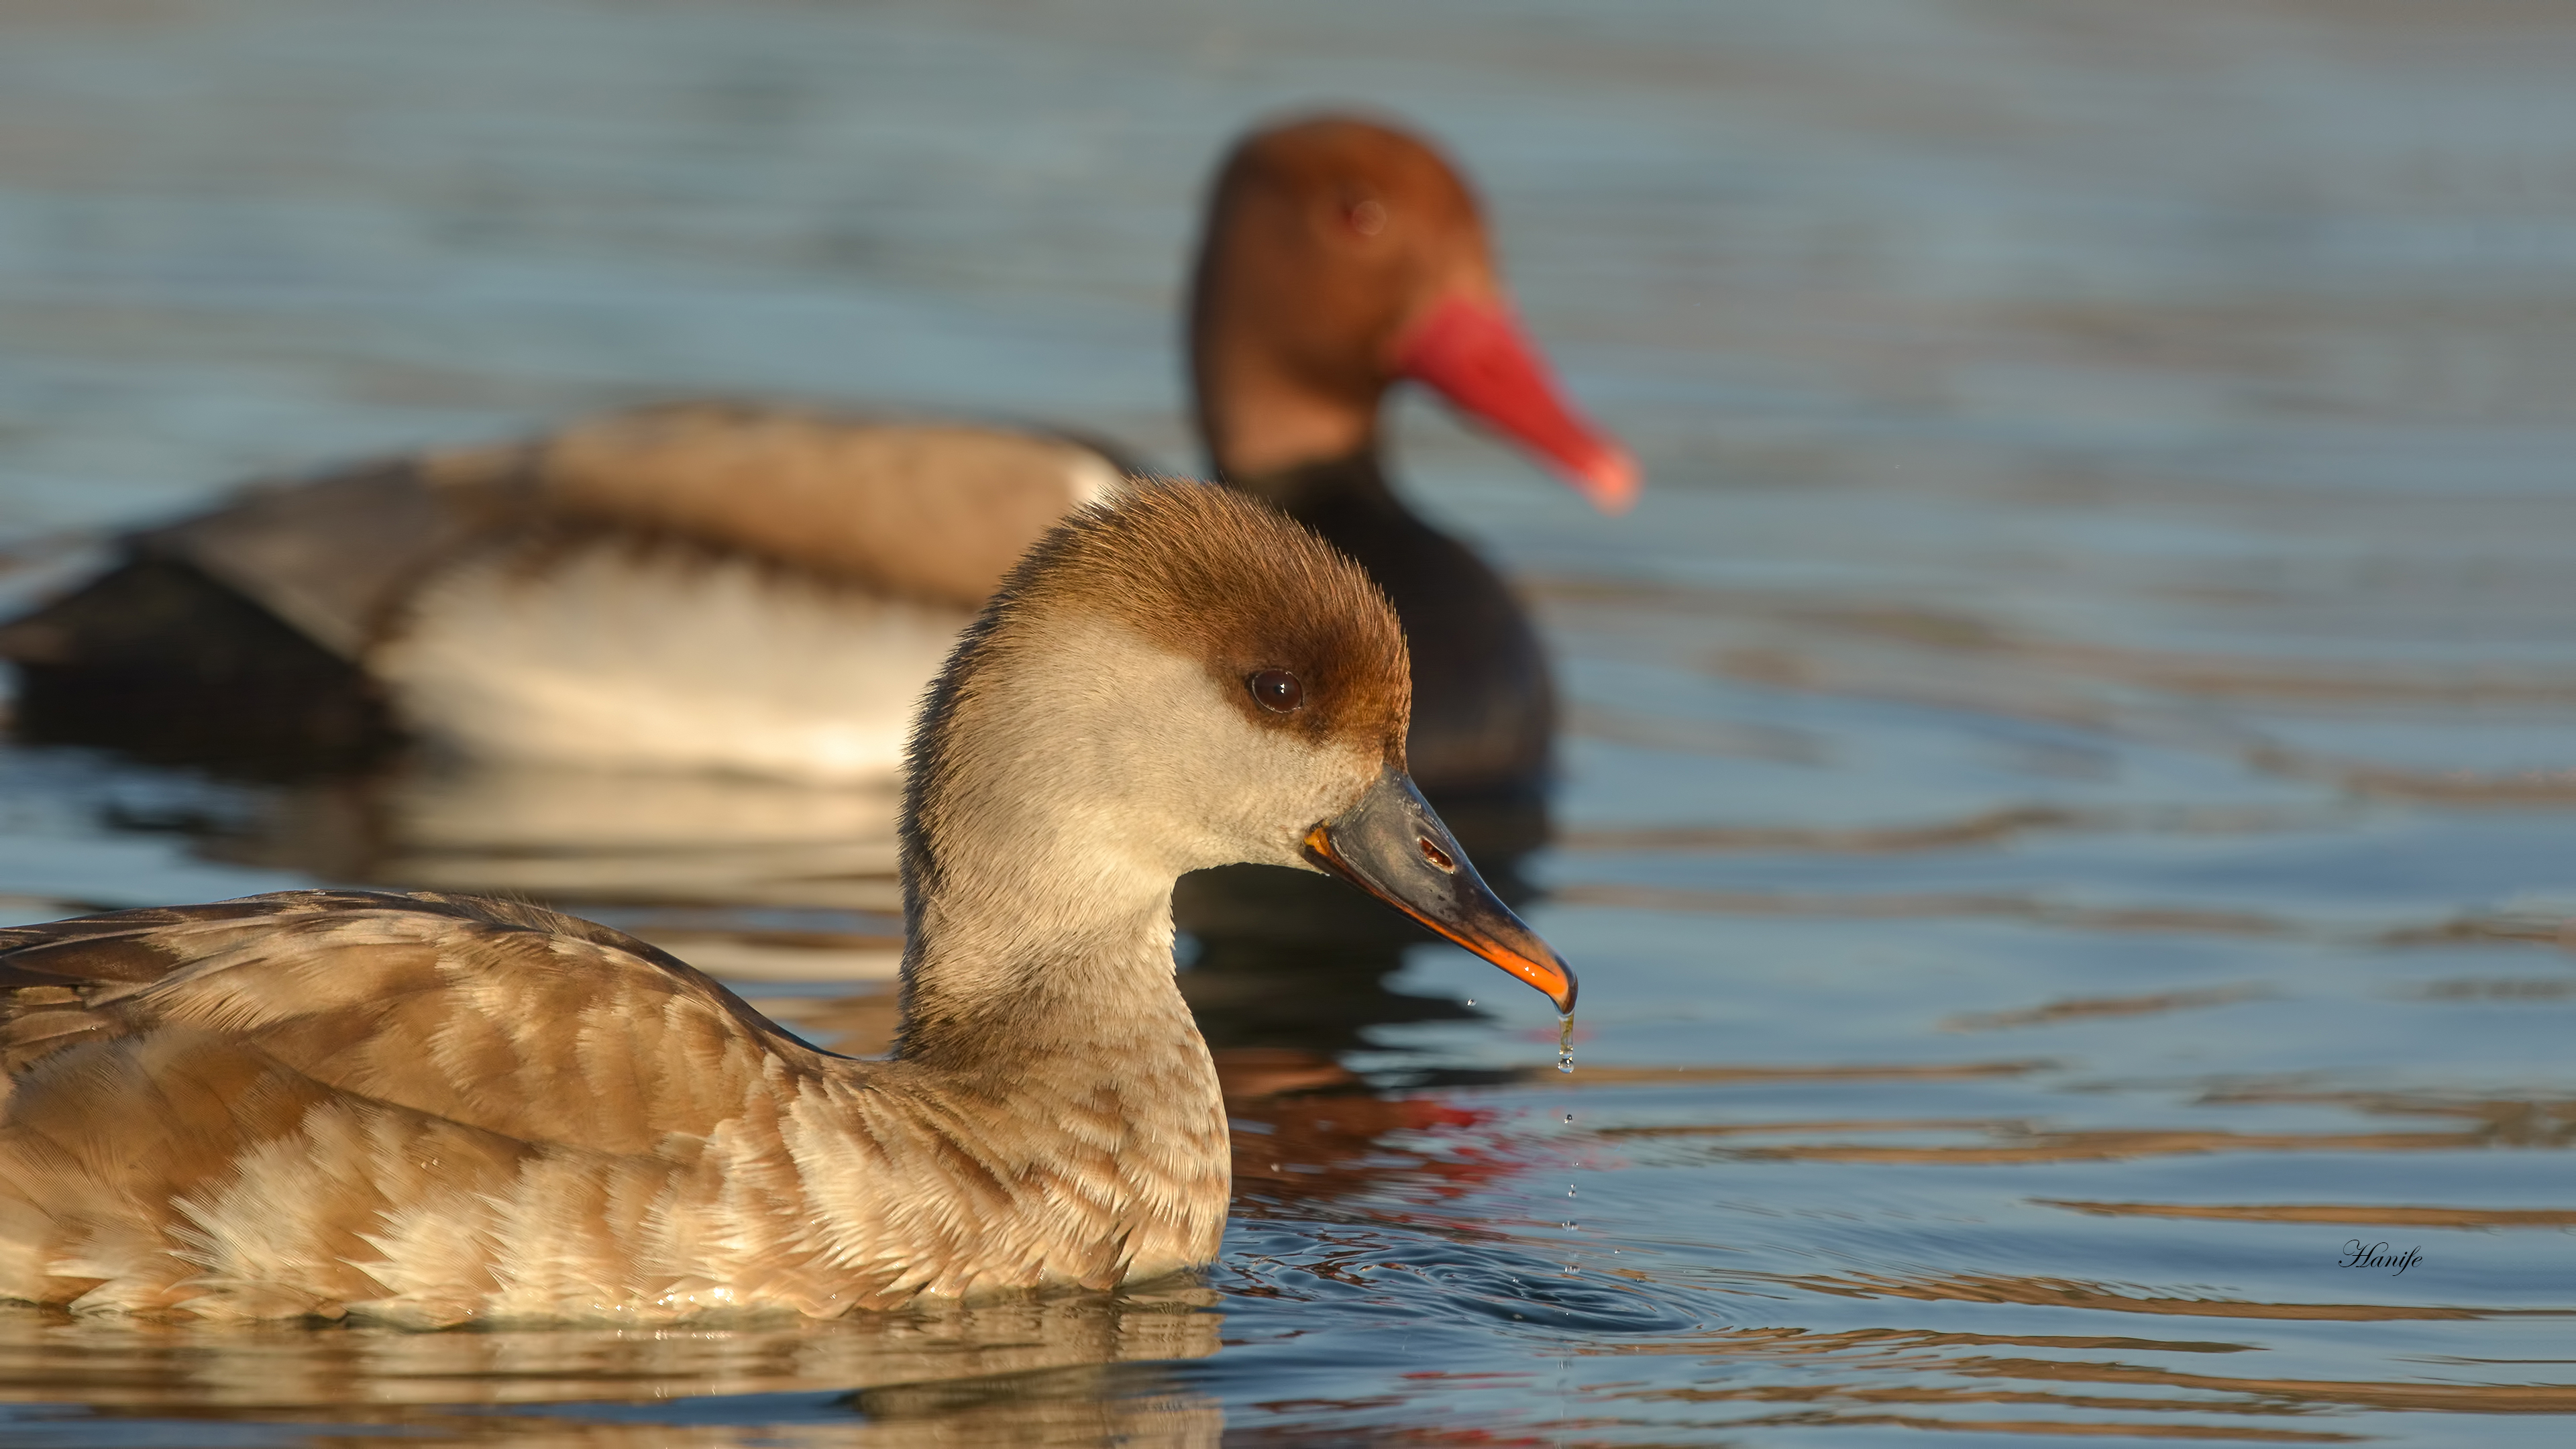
(1307, 1129)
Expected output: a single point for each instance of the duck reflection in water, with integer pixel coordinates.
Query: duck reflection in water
(1078, 1368)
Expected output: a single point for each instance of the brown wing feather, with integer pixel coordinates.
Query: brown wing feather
(428, 1107)
(497, 1016)
(937, 511)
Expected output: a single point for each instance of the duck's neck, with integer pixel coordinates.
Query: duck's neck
(1046, 1042)
(1260, 415)
(1033, 932)
(1314, 488)
(980, 988)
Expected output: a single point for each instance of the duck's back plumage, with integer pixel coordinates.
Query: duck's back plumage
(436, 1108)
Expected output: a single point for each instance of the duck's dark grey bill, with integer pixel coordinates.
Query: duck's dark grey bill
(1391, 845)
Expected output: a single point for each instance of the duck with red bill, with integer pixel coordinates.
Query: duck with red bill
(1343, 258)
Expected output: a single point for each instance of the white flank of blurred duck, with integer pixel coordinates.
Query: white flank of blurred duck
(763, 592)
(432, 1109)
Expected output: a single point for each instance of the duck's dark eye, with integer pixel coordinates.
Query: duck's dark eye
(1277, 690)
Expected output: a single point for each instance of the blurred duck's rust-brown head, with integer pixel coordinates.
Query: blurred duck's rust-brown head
(1340, 256)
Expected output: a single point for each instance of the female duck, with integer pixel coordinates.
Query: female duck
(766, 591)
(436, 1109)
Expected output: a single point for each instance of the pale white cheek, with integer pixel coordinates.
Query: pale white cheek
(620, 660)
(1154, 747)
(1284, 786)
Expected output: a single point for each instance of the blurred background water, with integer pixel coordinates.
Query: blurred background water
(2069, 799)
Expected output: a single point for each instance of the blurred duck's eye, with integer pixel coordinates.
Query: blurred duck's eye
(1277, 690)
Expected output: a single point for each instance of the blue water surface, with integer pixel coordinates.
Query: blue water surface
(2069, 803)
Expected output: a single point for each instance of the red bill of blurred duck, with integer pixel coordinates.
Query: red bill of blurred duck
(1474, 352)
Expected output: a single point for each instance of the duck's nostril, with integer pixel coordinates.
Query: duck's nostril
(1439, 858)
